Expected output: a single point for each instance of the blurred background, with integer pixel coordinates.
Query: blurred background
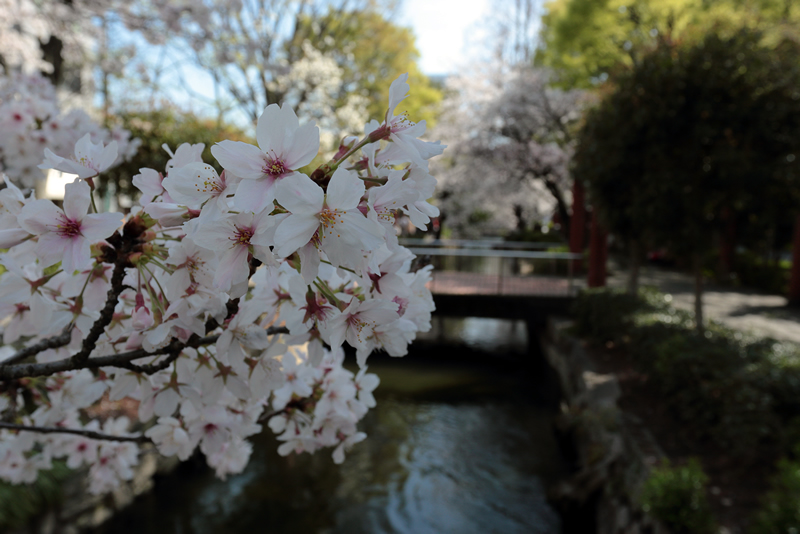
(580, 133)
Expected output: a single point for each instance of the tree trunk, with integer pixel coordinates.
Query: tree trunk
(698, 293)
(794, 284)
(633, 267)
(561, 206)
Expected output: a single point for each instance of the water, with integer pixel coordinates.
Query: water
(455, 445)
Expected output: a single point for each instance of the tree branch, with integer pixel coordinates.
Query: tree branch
(79, 432)
(49, 343)
(121, 360)
(107, 314)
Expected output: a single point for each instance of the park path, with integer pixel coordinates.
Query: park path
(738, 308)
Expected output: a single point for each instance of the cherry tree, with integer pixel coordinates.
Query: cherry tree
(31, 120)
(511, 138)
(221, 303)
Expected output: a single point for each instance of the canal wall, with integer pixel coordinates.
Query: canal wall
(614, 453)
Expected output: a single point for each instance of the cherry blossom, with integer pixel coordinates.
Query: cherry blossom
(90, 159)
(330, 222)
(283, 147)
(66, 234)
(209, 308)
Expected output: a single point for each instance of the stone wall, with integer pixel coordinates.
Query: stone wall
(614, 451)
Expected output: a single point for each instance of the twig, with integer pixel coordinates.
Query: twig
(80, 432)
(266, 416)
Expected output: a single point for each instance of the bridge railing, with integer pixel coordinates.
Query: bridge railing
(497, 267)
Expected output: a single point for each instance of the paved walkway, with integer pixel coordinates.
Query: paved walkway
(738, 308)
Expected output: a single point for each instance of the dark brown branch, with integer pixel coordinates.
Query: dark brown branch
(49, 343)
(121, 360)
(266, 416)
(107, 314)
(80, 432)
(153, 368)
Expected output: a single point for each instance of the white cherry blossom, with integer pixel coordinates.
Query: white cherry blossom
(65, 234)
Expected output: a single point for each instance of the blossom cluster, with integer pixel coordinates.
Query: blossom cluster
(31, 120)
(221, 302)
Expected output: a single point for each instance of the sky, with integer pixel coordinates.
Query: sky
(444, 30)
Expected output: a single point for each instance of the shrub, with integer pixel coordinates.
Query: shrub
(753, 271)
(780, 508)
(676, 496)
(706, 381)
(603, 314)
(730, 387)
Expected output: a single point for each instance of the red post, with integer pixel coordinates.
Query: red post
(577, 224)
(598, 253)
(794, 284)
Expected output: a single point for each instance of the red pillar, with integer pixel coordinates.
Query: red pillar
(794, 284)
(598, 253)
(577, 224)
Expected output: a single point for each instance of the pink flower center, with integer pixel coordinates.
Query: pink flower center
(242, 236)
(274, 167)
(358, 325)
(68, 228)
(86, 162)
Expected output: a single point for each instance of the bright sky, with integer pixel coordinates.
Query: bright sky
(444, 30)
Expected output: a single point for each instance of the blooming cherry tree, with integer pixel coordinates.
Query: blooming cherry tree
(220, 303)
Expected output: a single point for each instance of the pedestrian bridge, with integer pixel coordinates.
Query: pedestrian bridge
(498, 279)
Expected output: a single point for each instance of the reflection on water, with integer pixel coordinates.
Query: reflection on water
(459, 449)
(498, 336)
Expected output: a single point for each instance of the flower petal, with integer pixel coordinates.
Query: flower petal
(39, 217)
(304, 148)
(99, 226)
(255, 195)
(243, 160)
(299, 194)
(294, 232)
(344, 190)
(76, 200)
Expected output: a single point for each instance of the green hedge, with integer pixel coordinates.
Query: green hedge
(676, 496)
(734, 389)
(780, 509)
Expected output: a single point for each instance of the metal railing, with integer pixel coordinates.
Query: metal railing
(530, 253)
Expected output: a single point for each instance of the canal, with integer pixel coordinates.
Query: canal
(461, 441)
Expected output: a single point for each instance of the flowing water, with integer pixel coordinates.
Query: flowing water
(457, 444)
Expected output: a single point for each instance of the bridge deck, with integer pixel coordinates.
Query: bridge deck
(462, 283)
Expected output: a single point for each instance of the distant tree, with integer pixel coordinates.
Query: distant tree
(315, 55)
(692, 132)
(585, 40)
(371, 51)
(510, 139)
